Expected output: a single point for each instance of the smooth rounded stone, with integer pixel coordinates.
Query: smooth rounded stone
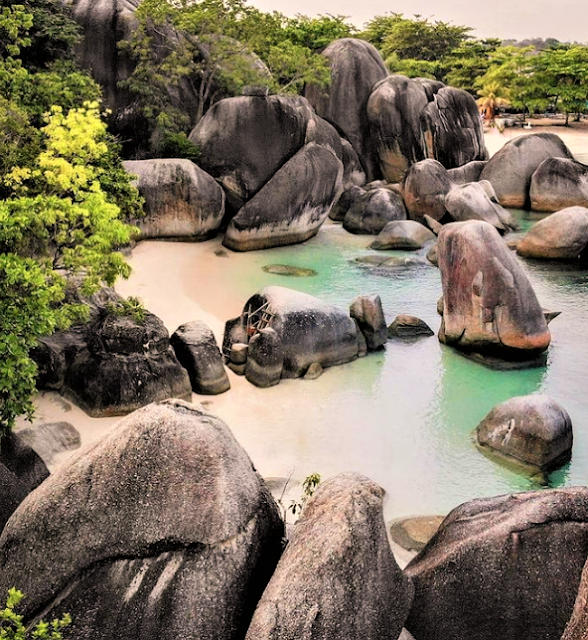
(490, 307)
(469, 172)
(356, 66)
(292, 206)
(424, 189)
(432, 255)
(239, 353)
(373, 211)
(181, 200)
(559, 183)
(534, 430)
(265, 359)
(348, 198)
(406, 235)
(310, 330)
(368, 312)
(510, 170)
(504, 567)
(196, 350)
(353, 172)
(386, 262)
(452, 129)
(562, 235)
(127, 364)
(394, 113)
(245, 140)
(413, 534)
(289, 270)
(476, 201)
(50, 438)
(160, 529)
(409, 327)
(362, 348)
(314, 371)
(337, 577)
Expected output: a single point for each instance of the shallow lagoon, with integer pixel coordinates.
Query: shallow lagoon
(404, 416)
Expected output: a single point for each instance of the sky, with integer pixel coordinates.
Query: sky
(565, 20)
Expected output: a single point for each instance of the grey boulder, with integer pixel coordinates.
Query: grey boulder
(424, 188)
(405, 326)
(559, 183)
(265, 359)
(406, 235)
(368, 312)
(477, 201)
(373, 210)
(51, 438)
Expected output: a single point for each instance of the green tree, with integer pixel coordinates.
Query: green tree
(12, 627)
(469, 61)
(492, 96)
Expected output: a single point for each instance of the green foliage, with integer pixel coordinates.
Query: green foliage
(12, 627)
(131, 307)
(309, 486)
(177, 145)
(469, 61)
(316, 34)
(413, 68)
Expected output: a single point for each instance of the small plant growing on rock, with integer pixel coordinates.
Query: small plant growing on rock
(12, 628)
(131, 306)
(309, 486)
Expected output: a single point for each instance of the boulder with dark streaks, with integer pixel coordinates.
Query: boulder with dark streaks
(559, 183)
(373, 210)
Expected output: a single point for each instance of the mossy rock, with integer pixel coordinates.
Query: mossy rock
(289, 270)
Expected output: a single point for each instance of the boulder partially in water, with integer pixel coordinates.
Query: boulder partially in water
(562, 235)
(477, 201)
(160, 529)
(504, 567)
(368, 312)
(489, 306)
(338, 577)
(510, 170)
(373, 210)
(292, 206)
(356, 66)
(127, 364)
(406, 235)
(405, 326)
(196, 350)
(181, 200)
(534, 430)
(559, 183)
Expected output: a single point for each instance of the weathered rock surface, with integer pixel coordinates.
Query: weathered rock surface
(477, 201)
(562, 235)
(265, 359)
(127, 364)
(425, 186)
(161, 529)
(348, 198)
(504, 567)
(356, 66)
(533, 429)
(405, 326)
(373, 210)
(338, 577)
(292, 206)
(406, 235)
(469, 172)
(310, 330)
(510, 170)
(245, 140)
(368, 312)
(181, 200)
(452, 129)
(50, 438)
(353, 171)
(21, 471)
(489, 304)
(559, 183)
(196, 350)
(577, 627)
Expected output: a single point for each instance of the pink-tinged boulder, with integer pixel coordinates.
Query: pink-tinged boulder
(562, 236)
(559, 183)
(489, 306)
(424, 188)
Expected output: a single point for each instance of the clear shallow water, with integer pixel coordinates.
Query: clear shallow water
(404, 416)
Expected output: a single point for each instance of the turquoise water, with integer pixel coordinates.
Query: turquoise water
(404, 416)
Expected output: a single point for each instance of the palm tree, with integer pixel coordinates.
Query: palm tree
(492, 96)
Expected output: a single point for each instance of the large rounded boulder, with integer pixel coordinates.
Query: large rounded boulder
(424, 188)
(373, 210)
(356, 66)
(181, 200)
(292, 206)
(504, 567)
(127, 364)
(406, 235)
(477, 201)
(559, 183)
(562, 235)
(489, 306)
(160, 529)
(510, 170)
(338, 577)
(534, 430)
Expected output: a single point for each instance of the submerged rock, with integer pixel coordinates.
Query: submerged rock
(489, 305)
(504, 567)
(289, 270)
(338, 577)
(562, 235)
(161, 529)
(533, 429)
